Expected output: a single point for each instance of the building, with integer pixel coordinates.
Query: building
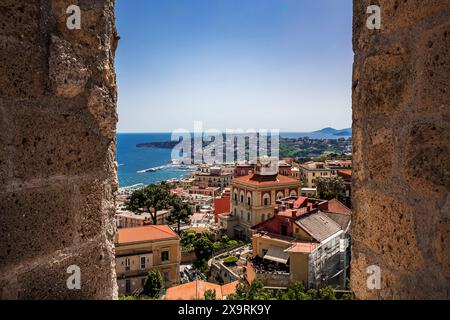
(309, 192)
(141, 249)
(128, 219)
(195, 290)
(346, 176)
(254, 198)
(243, 169)
(284, 168)
(187, 183)
(212, 177)
(310, 171)
(221, 205)
(308, 241)
(205, 190)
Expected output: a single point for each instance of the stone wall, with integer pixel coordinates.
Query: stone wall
(401, 132)
(57, 149)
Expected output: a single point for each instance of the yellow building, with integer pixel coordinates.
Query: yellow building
(141, 249)
(310, 171)
(254, 198)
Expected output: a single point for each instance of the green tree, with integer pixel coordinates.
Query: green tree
(254, 291)
(152, 198)
(210, 294)
(181, 212)
(297, 292)
(330, 188)
(153, 283)
(203, 248)
(327, 293)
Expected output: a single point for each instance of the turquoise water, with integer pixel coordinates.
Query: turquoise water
(132, 159)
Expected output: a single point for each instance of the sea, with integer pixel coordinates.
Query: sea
(132, 159)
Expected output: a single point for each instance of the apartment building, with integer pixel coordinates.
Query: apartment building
(312, 170)
(308, 242)
(254, 198)
(128, 219)
(141, 249)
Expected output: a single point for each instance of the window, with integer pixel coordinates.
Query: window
(266, 199)
(263, 217)
(127, 286)
(127, 264)
(284, 230)
(165, 256)
(166, 276)
(248, 216)
(143, 259)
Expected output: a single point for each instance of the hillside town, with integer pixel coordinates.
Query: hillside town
(229, 228)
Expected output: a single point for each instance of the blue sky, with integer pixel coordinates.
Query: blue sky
(262, 64)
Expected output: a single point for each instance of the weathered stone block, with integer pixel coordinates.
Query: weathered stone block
(68, 74)
(396, 16)
(387, 226)
(380, 151)
(56, 142)
(93, 259)
(383, 84)
(36, 222)
(433, 75)
(22, 69)
(19, 19)
(427, 157)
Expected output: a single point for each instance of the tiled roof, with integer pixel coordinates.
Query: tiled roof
(256, 180)
(303, 247)
(300, 202)
(195, 290)
(347, 172)
(335, 206)
(146, 233)
(319, 226)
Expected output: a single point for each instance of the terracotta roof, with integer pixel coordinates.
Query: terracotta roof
(257, 180)
(303, 247)
(146, 233)
(195, 290)
(335, 206)
(299, 202)
(229, 288)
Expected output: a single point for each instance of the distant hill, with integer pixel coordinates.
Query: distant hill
(325, 133)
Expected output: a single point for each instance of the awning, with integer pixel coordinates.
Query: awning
(277, 254)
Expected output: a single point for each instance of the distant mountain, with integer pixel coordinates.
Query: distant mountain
(325, 133)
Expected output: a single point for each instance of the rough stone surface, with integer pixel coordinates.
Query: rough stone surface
(57, 149)
(401, 137)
